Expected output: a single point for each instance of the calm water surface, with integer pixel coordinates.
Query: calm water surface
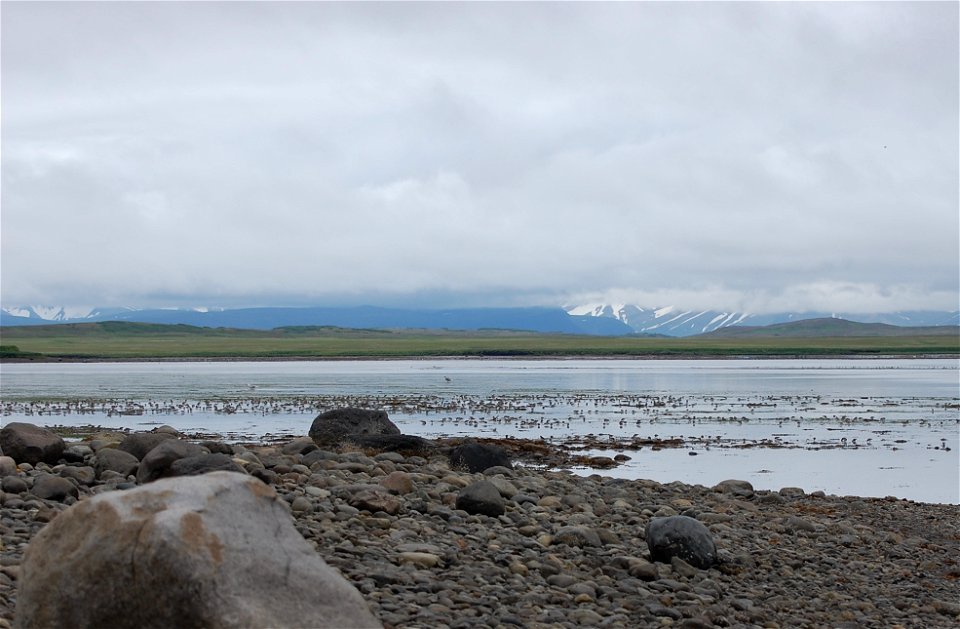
(864, 427)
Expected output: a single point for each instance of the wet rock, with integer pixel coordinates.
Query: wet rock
(333, 428)
(27, 443)
(476, 457)
(175, 554)
(683, 537)
(481, 498)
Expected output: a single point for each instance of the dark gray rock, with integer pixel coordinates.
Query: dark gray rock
(13, 485)
(481, 498)
(140, 443)
(50, 487)
(683, 537)
(217, 550)
(77, 453)
(333, 427)
(156, 464)
(476, 457)
(407, 444)
(203, 464)
(115, 460)
(27, 443)
(218, 447)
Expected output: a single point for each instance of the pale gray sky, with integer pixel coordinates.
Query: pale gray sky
(760, 156)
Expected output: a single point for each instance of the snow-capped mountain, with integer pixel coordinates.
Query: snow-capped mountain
(52, 313)
(673, 321)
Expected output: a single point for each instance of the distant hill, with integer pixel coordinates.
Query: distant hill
(830, 327)
(547, 320)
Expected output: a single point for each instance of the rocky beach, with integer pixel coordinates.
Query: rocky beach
(429, 543)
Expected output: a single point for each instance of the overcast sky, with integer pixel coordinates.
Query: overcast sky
(758, 156)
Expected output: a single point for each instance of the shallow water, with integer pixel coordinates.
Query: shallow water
(867, 427)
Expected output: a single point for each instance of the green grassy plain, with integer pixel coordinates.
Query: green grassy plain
(128, 341)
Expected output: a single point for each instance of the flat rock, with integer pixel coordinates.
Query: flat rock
(203, 464)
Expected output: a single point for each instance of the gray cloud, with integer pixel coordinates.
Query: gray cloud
(759, 154)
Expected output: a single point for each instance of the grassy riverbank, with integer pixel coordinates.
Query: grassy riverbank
(135, 341)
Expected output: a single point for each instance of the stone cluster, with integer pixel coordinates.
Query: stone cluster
(428, 543)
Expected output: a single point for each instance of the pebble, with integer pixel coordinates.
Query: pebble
(569, 551)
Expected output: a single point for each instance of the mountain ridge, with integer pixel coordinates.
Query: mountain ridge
(674, 321)
(591, 319)
(537, 319)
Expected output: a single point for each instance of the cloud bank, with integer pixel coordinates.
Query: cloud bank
(760, 155)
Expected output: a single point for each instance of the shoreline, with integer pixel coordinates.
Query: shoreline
(570, 550)
(474, 357)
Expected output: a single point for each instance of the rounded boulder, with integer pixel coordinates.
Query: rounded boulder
(681, 536)
(335, 427)
(27, 443)
(174, 554)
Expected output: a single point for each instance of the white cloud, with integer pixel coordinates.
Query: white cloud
(758, 154)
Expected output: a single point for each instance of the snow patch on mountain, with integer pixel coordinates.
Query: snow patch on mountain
(674, 321)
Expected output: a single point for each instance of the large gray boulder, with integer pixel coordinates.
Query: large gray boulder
(334, 428)
(27, 443)
(683, 537)
(174, 553)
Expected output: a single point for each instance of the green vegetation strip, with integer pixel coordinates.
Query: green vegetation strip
(128, 341)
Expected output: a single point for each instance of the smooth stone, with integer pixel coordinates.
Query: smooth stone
(176, 553)
(681, 536)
